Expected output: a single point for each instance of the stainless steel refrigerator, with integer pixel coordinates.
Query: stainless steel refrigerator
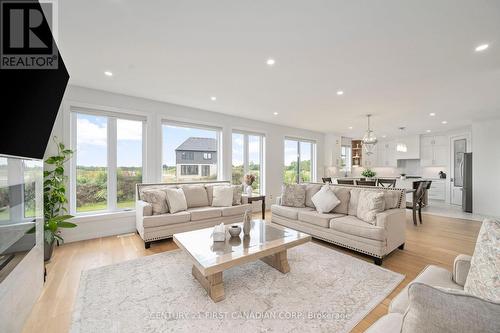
(467, 183)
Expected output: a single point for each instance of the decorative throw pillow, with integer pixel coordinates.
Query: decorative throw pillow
(293, 195)
(344, 195)
(223, 196)
(196, 195)
(391, 198)
(157, 199)
(176, 200)
(237, 193)
(483, 279)
(353, 201)
(325, 200)
(370, 203)
(311, 190)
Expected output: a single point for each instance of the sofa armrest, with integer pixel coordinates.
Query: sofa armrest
(143, 208)
(394, 223)
(278, 200)
(461, 267)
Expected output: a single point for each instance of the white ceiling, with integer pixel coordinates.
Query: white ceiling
(399, 60)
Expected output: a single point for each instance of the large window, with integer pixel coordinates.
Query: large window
(248, 157)
(300, 161)
(189, 153)
(108, 161)
(345, 155)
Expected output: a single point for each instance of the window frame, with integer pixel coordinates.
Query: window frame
(313, 158)
(112, 156)
(218, 131)
(246, 155)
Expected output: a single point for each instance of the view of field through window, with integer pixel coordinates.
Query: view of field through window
(252, 156)
(298, 161)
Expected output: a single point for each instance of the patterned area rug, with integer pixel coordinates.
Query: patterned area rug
(325, 291)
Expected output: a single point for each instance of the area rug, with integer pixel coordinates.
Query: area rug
(325, 291)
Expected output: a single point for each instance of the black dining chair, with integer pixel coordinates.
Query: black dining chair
(366, 182)
(387, 182)
(327, 180)
(345, 181)
(418, 200)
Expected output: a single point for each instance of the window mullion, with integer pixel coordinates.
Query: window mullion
(112, 164)
(298, 161)
(245, 154)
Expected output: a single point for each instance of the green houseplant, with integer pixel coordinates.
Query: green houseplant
(54, 198)
(368, 173)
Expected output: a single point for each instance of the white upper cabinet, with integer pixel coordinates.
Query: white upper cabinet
(412, 143)
(386, 154)
(434, 151)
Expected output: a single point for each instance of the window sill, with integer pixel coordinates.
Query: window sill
(102, 216)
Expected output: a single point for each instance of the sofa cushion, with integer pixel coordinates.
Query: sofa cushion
(325, 200)
(437, 310)
(370, 203)
(157, 199)
(235, 210)
(319, 219)
(483, 279)
(344, 195)
(288, 212)
(176, 200)
(311, 190)
(353, 226)
(166, 219)
(196, 195)
(237, 193)
(431, 275)
(293, 195)
(223, 196)
(204, 213)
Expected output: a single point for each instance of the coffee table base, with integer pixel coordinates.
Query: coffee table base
(213, 284)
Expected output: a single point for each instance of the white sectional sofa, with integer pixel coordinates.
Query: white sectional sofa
(342, 227)
(465, 300)
(199, 214)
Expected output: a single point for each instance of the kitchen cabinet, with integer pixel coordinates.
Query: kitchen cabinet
(412, 143)
(437, 190)
(434, 151)
(386, 154)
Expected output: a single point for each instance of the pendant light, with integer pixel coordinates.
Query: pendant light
(401, 146)
(369, 140)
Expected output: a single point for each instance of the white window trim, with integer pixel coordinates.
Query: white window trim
(218, 136)
(313, 156)
(111, 139)
(246, 153)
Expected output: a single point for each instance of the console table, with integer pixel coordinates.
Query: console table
(259, 198)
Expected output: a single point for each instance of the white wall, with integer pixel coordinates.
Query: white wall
(156, 112)
(485, 167)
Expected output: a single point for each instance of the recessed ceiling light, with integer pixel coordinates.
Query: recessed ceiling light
(270, 62)
(275, 113)
(340, 92)
(444, 122)
(350, 127)
(108, 73)
(428, 131)
(432, 114)
(213, 98)
(481, 47)
(384, 136)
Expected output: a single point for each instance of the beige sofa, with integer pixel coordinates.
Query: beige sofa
(342, 227)
(199, 214)
(442, 301)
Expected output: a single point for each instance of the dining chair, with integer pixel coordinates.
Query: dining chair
(387, 182)
(345, 181)
(366, 182)
(327, 180)
(418, 201)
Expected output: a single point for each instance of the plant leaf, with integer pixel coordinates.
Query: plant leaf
(63, 224)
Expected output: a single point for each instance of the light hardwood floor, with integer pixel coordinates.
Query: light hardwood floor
(437, 242)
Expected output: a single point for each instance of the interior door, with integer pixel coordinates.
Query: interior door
(459, 148)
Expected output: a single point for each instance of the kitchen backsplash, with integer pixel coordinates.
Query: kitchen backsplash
(408, 167)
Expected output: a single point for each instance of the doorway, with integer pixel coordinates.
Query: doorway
(460, 145)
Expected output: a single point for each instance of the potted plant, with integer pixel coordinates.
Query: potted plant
(54, 199)
(368, 174)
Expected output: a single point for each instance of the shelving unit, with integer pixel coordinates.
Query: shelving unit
(357, 153)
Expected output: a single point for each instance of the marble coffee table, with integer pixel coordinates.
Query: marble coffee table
(210, 259)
